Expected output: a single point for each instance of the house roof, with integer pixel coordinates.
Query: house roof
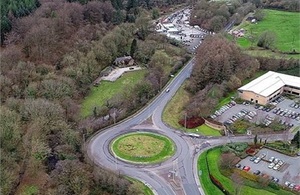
(120, 59)
(268, 83)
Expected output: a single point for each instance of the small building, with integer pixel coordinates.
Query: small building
(124, 61)
(268, 87)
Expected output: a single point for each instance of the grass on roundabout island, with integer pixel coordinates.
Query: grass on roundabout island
(143, 147)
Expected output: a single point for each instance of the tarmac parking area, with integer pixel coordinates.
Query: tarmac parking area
(284, 105)
(289, 171)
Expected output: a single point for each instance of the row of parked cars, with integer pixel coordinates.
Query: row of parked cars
(295, 105)
(249, 115)
(286, 113)
(263, 108)
(275, 163)
(286, 123)
(256, 172)
(222, 109)
(292, 186)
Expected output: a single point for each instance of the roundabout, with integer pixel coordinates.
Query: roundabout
(142, 148)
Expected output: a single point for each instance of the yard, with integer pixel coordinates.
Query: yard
(106, 90)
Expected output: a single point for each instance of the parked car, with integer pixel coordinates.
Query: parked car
(280, 162)
(257, 160)
(292, 185)
(276, 160)
(287, 183)
(276, 180)
(238, 165)
(276, 167)
(271, 159)
(246, 168)
(257, 172)
(271, 165)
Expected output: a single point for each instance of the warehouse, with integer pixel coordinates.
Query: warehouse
(268, 87)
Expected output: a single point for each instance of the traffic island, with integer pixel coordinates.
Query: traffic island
(142, 148)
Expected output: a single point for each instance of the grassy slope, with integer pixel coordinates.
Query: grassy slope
(213, 158)
(208, 186)
(106, 90)
(173, 112)
(284, 24)
(140, 185)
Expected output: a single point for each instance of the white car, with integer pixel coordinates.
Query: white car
(276, 167)
(271, 165)
(257, 160)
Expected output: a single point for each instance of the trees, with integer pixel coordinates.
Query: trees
(72, 177)
(255, 139)
(259, 14)
(133, 47)
(296, 140)
(225, 60)
(267, 40)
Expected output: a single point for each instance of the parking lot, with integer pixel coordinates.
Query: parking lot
(289, 171)
(190, 36)
(286, 111)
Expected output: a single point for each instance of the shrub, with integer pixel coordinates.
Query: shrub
(192, 122)
(274, 186)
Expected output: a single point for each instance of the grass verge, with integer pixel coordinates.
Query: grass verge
(106, 90)
(208, 186)
(146, 148)
(141, 186)
(173, 113)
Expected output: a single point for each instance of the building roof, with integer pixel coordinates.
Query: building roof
(121, 59)
(268, 83)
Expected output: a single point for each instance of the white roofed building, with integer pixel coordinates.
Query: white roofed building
(269, 86)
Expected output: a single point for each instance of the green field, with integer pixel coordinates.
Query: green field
(174, 112)
(213, 157)
(268, 53)
(143, 147)
(284, 24)
(106, 90)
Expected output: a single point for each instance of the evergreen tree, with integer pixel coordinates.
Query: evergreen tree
(255, 140)
(133, 47)
(296, 139)
(131, 4)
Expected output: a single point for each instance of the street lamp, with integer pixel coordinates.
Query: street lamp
(185, 115)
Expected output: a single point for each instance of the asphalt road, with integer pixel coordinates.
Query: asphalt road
(98, 146)
(185, 157)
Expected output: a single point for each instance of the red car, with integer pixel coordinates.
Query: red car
(246, 168)
(297, 188)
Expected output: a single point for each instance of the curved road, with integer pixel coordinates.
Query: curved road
(98, 146)
(183, 163)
